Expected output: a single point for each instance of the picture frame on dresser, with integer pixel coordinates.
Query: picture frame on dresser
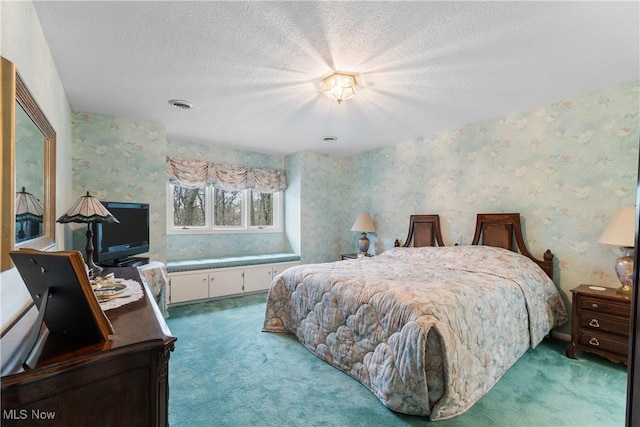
(59, 285)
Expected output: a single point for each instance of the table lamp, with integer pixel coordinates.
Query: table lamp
(29, 212)
(621, 232)
(363, 224)
(88, 210)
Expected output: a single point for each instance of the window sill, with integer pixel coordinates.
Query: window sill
(175, 231)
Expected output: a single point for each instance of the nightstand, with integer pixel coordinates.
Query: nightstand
(600, 323)
(352, 256)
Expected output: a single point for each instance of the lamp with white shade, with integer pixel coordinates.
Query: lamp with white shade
(621, 232)
(363, 224)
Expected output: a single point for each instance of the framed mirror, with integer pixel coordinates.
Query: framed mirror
(28, 157)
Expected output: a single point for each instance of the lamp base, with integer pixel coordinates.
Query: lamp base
(363, 245)
(626, 290)
(624, 270)
(93, 268)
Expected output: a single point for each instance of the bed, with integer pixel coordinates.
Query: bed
(428, 328)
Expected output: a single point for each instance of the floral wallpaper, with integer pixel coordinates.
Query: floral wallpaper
(319, 217)
(566, 167)
(120, 160)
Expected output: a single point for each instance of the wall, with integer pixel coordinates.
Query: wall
(118, 159)
(317, 181)
(121, 160)
(565, 166)
(23, 43)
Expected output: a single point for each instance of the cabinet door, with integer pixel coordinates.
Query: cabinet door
(225, 282)
(188, 286)
(257, 278)
(279, 268)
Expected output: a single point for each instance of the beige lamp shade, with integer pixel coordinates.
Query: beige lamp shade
(363, 223)
(621, 229)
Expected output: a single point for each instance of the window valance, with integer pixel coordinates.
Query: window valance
(199, 173)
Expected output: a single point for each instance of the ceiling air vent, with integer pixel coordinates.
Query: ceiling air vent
(180, 104)
(329, 138)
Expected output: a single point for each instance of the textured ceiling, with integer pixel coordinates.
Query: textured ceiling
(253, 70)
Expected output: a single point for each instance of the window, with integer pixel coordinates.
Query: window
(212, 210)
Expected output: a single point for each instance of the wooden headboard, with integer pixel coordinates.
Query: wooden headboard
(424, 230)
(502, 230)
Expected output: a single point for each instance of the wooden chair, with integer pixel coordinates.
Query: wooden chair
(502, 230)
(424, 230)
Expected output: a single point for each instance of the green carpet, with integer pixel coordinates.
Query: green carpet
(226, 372)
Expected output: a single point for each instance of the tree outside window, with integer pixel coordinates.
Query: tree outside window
(208, 208)
(188, 206)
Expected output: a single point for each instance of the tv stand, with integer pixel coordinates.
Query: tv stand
(127, 262)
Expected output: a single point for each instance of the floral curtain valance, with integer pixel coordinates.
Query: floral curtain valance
(199, 173)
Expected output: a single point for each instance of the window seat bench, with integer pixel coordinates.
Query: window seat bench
(226, 262)
(194, 280)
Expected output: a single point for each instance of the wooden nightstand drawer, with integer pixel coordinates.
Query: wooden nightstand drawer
(604, 323)
(605, 306)
(600, 319)
(604, 342)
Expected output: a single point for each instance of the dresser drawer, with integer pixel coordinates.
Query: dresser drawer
(601, 322)
(604, 306)
(604, 342)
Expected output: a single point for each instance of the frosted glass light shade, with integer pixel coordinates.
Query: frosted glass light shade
(339, 86)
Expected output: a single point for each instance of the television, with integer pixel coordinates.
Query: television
(116, 244)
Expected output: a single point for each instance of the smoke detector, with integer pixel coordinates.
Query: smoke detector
(329, 138)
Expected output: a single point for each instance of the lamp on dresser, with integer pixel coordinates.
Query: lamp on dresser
(88, 210)
(363, 224)
(621, 232)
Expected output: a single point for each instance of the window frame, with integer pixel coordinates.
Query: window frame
(210, 228)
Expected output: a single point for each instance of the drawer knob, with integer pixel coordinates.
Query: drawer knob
(594, 323)
(594, 305)
(594, 342)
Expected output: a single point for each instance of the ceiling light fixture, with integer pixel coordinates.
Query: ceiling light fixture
(339, 86)
(180, 104)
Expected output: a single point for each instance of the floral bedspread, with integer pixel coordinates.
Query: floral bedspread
(428, 330)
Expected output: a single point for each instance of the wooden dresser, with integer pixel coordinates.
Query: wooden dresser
(600, 323)
(121, 382)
